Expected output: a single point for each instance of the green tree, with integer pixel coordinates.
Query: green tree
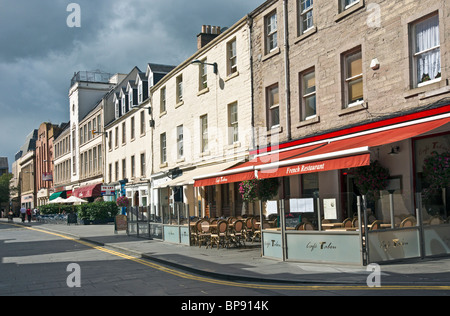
(4, 187)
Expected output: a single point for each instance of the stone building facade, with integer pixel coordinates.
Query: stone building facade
(342, 47)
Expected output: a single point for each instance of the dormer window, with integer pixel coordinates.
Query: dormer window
(130, 97)
(140, 92)
(117, 108)
(124, 104)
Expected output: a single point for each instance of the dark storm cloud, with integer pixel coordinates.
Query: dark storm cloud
(39, 53)
(32, 29)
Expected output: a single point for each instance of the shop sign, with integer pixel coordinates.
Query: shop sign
(108, 190)
(322, 245)
(47, 176)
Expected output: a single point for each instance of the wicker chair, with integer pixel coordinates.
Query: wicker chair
(237, 233)
(204, 233)
(221, 235)
(248, 232)
(410, 221)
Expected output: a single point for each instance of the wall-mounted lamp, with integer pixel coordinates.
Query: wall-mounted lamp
(199, 62)
(375, 64)
(394, 150)
(95, 132)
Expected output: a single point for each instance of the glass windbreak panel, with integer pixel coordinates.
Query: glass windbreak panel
(155, 215)
(183, 213)
(432, 160)
(166, 214)
(393, 207)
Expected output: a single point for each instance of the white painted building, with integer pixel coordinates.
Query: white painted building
(128, 149)
(203, 117)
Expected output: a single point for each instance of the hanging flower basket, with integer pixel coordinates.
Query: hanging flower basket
(122, 201)
(371, 179)
(436, 172)
(248, 190)
(264, 190)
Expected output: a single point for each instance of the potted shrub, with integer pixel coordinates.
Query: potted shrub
(436, 171)
(371, 179)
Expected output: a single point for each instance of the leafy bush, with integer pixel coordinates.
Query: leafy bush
(57, 209)
(97, 210)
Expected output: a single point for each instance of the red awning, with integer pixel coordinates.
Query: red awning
(222, 179)
(347, 151)
(318, 166)
(88, 191)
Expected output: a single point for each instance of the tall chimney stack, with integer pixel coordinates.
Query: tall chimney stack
(207, 35)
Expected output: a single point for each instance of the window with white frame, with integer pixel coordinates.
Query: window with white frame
(204, 132)
(306, 20)
(124, 104)
(100, 158)
(124, 168)
(117, 108)
(426, 54)
(231, 57)
(110, 140)
(117, 171)
(273, 106)
(233, 125)
(91, 163)
(81, 135)
(179, 94)
(140, 92)
(353, 78)
(163, 148)
(94, 160)
(162, 100)
(271, 32)
(99, 123)
(124, 133)
(347, 4)
(203, 75)
(133, 167)
(132, 127)
(180, 152)
(89, 130)
(142, 165)
(308, 90)
(142, 122)
(116, 144)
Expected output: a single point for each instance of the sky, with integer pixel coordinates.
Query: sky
(43, 43)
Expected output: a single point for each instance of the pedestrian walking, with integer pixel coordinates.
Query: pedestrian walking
(10, 216)
(29, 215)
(23, 212)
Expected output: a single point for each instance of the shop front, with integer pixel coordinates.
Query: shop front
(357, 196)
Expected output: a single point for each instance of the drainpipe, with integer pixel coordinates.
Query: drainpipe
(252, 97)
(286, 70)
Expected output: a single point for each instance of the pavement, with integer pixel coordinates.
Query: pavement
(246, 264)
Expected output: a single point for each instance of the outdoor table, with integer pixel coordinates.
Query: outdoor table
(331, 225)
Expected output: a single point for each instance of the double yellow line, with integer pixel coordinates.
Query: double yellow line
(239, 284)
